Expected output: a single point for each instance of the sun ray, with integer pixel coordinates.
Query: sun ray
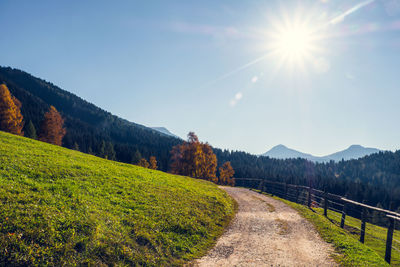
(296, 39)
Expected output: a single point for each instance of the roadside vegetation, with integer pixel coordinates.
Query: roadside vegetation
(375, 237)
(62, 207)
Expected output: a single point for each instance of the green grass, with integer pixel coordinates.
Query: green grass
(62, 207)
(348, 250)
(375, 237)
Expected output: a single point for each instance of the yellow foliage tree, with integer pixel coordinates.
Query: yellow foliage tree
(194, 159)
(226, 173)
(153, 163)
(51, 130)
(11, 119)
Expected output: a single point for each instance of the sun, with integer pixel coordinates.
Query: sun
(295, 43)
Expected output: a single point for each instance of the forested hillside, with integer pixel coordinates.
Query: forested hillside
(87, 125)
(374, 179)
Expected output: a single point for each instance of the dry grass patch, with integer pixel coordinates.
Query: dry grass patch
(270, 207)
(283, 226)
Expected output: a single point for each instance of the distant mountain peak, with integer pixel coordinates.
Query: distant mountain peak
(352, 152)
(280, 146)
(282, 152)
(165, 131)
(356, 146)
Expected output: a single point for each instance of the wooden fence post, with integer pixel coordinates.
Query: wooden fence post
(389, 239)
(286, 190)
(363, 219)
(271, 190)
(325, 204)
(343, 216)
(297, 194)
(260, 185)
(309, 197)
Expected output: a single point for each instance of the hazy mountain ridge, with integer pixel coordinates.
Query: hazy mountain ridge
(352, 152)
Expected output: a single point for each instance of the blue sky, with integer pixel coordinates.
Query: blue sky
(216, 67)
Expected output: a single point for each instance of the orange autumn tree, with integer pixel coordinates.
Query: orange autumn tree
(226, 173)
(195, 159)
(11, 119)
(153, 163)
(51, 130)
(143, 163)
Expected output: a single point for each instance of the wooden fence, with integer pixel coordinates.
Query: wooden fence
(311, 197)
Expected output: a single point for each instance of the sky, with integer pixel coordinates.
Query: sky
(316, 76)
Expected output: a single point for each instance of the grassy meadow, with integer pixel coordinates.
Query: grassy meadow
(375, 236)
(63, 207)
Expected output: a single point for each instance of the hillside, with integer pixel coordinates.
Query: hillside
(373, 179)
(60, 206)
(87, 125)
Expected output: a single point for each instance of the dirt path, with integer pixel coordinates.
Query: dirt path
(267, 232)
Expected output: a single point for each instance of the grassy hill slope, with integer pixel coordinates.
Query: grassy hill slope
(59, 206)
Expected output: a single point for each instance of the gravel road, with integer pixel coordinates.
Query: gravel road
(267, 232)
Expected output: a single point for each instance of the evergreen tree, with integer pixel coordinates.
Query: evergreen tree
(30, 130)
(102, 150)
(51, 130)
(11, 119)
(136, 157)
(76, 146)
(109, 151)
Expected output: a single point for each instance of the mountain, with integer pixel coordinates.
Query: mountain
(88, 126)
(353, 152)
(283, 152)
(165, 131)
(374, 178)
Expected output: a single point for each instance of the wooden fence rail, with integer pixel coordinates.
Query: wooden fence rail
(309, 196)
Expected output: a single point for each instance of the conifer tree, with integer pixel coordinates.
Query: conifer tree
(109, 151)
(153, 163)
(76, 146)
(136, 157)
(102, 149)
(30, 130)
(11, 119)
(51, 130)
